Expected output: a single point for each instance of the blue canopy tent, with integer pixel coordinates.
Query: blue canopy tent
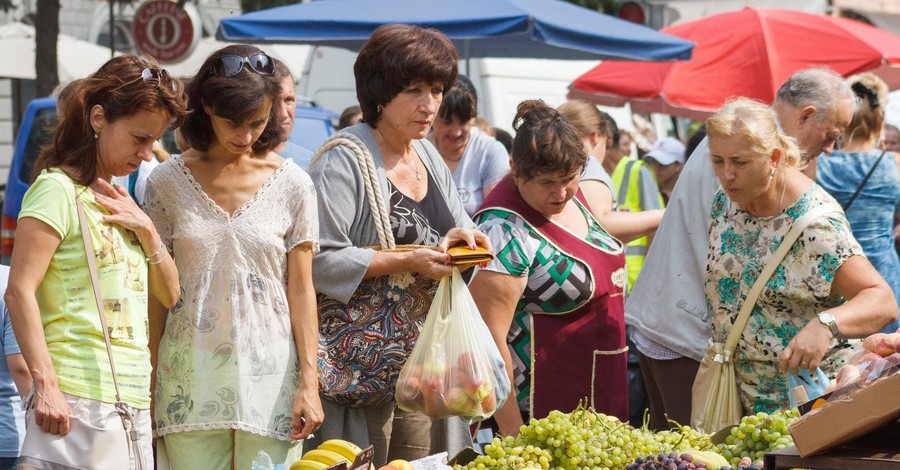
(543, 29)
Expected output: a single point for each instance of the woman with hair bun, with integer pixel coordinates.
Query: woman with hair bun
(865, 180)
(553, 295)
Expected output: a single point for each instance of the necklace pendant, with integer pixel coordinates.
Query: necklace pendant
(418, 176)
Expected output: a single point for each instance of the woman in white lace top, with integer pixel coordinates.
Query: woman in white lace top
(236, 368)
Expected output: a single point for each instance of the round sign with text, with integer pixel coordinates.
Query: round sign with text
(164, 30)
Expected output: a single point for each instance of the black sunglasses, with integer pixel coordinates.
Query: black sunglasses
(230, 65)
(151, 74)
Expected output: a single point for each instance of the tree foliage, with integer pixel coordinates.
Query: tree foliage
(254, 5)
(603, 6)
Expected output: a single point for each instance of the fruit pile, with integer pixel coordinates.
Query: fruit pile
(758, 434)
(686, 461)
(330, 452)
(585, 438)
(463, 386)
(582, 439)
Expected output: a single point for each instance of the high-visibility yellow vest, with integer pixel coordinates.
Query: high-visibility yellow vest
(625, 178)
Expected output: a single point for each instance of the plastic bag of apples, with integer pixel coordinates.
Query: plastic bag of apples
(455, 368)
(879, 357)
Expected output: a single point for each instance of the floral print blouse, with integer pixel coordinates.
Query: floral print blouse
(800, 288)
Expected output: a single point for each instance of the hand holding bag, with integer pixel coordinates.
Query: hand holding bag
(111, 444)
(803, 387)
(716, 402)
(455, 369)
(364, 343)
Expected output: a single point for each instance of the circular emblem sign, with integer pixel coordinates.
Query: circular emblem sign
(164, 30)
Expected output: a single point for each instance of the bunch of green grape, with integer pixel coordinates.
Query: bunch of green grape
(508, 454)
(758, 434)
(581, 439)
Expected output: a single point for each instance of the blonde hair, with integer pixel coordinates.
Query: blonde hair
(872, 96)
(757, 124)
(586, 118)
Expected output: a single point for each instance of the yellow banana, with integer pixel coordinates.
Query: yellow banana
(308, 465)
(347, 449)
(325, 456)
(710, 458)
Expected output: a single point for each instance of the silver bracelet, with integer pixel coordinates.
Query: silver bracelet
(161, 252)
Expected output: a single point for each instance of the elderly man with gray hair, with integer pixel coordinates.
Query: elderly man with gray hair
(667, 309)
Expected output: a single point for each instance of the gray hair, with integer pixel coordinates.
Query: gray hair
(819, 87)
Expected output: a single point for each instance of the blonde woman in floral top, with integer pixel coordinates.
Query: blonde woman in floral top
(824, 292)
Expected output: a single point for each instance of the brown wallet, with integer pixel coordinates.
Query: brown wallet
(462, 255)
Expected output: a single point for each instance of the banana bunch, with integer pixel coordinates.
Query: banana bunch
(710, 458)
(331, 452)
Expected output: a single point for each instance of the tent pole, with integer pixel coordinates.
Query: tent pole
(112, 30)
(466, 55)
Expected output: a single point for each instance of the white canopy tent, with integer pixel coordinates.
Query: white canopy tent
(76, 58)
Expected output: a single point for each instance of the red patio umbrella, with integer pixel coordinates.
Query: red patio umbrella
(749, 52)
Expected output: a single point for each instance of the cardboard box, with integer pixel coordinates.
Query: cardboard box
(848, 417)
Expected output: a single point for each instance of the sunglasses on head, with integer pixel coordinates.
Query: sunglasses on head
(150, 74)
(230, 65)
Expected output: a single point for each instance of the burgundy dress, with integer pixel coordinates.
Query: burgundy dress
(570, 347)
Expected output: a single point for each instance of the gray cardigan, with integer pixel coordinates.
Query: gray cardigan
(345, 221)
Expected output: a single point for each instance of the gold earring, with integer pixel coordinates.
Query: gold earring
(379, 108)
(772, 174)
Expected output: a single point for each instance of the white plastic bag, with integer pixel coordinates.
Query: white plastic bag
(455, 368)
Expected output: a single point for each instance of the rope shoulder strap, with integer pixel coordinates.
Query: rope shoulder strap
(370, 181)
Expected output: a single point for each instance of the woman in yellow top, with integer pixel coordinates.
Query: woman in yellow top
(107, 129)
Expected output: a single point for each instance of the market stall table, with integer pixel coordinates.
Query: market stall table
(878, 450)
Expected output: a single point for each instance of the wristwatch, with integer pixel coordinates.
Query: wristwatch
(827, 319)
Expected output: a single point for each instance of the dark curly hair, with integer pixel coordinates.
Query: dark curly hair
(545, 142)
(397, 55)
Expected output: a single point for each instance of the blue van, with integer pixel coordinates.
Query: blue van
(311, 127)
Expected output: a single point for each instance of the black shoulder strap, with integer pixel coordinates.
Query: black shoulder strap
(864, 181)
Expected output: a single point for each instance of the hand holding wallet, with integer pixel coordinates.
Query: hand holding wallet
(463, 255)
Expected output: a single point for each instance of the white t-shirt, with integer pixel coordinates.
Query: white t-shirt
(670, 289)
(484, 163)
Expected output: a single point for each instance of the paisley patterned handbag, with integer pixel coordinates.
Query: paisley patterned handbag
(364, 343)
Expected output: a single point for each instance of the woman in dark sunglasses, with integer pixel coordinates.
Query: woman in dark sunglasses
(237, 357)
(401, 74)
(107, 129)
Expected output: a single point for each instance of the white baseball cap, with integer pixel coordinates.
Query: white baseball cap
(667, 151)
